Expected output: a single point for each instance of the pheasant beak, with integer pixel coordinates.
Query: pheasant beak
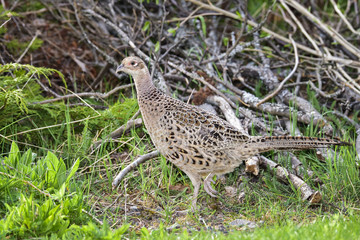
(119, 68)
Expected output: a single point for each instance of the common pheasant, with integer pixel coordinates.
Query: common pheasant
(201, 144)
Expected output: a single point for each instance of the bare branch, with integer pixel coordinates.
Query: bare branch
(132, 166)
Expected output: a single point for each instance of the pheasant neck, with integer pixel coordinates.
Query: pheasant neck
(143, 82)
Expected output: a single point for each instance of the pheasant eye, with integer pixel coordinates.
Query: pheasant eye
(133, 63)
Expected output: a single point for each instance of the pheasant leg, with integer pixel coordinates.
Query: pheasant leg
(207, 185)
(196, 181)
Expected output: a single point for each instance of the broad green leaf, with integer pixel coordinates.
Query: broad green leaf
(73, 170)
(14, 155)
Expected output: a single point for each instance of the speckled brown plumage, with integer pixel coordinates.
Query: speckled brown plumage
(200, 143)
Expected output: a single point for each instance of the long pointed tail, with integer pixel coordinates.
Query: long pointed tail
(264, 144)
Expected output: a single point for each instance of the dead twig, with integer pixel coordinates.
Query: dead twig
(37, 33)
(281, 85)
(132, 166)
(86, 94)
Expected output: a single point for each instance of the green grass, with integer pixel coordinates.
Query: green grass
(335, 227)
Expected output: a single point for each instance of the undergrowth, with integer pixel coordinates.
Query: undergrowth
(55, 183)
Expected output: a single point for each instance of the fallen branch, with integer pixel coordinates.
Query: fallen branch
(132, 166)
(121, 130)
(281, 173)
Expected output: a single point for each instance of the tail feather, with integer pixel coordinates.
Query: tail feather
(294, 143)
